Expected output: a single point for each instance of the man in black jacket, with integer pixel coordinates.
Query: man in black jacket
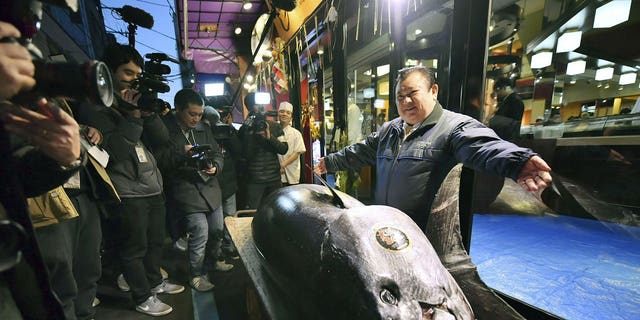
(191, 163)
(140, 217)
(262, 141)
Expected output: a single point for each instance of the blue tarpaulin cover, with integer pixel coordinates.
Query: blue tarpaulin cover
(574, 268)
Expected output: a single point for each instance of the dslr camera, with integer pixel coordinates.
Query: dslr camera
(89, 80)
(200, 157)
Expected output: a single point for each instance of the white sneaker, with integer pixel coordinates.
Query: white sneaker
(167, 287)
(201, 283)
(181, 244)
(122, 283)
(154, 307)
(221, 265)
(124, 286)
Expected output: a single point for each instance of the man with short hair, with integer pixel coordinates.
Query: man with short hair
(191, 163)
(414, 152)
(140, 217)
(290, 161)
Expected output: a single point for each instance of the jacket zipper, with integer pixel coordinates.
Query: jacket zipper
(393, 167)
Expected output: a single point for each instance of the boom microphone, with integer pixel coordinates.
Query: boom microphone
(136, 16)
(161, 57)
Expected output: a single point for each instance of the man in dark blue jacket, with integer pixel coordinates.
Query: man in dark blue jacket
(191, 164)
(414, 153)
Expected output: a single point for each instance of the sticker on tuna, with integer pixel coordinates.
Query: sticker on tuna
(392, 238)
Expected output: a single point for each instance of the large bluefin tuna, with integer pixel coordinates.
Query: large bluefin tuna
(340, 259)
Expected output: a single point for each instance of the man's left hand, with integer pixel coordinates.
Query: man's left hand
(535, 175)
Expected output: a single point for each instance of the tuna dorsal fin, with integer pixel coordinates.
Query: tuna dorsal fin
(337, 201)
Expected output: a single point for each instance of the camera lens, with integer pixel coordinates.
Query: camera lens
(91, 80)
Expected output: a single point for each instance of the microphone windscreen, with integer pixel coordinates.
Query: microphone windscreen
(136, 16)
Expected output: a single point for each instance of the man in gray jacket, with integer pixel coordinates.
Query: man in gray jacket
(414, 153)
(140, 217)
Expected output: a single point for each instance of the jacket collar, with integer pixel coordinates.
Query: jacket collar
(430, 120)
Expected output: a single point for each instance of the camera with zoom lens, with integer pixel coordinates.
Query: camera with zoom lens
(200, 157)
(90, 80)
(257, 122)
(152, 82)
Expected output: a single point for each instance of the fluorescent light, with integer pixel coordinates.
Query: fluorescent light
(214, 89)
(382, 70)
(262, 98)
(627, 78)
(605, 73)
(612, 13)
(569, 41)
(378, 103)
(541, 59)
(576, 67)
(368, 93)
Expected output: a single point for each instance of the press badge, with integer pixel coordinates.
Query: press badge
(142, 156)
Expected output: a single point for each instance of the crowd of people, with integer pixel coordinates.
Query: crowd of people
(88, 187)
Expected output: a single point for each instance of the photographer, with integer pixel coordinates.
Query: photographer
(191, 164)
(227, 138)
(262, 141)
(140, 217)
(50, 154)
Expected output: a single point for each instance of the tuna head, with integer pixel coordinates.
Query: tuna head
(377, 264)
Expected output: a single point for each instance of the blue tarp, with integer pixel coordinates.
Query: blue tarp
(574, 268)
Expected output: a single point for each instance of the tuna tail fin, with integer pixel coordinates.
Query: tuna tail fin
(337, 201)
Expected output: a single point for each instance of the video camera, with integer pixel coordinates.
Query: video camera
(89, 80)
(152, 81)
(200, 157)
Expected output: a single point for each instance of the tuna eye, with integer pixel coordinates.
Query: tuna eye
(387, 297)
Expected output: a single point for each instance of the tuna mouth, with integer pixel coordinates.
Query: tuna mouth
(435, 312)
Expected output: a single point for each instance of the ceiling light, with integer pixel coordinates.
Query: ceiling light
(612, 13)
(418, 31)
(569, 41)
(576, 67)
(605, 73)
(541, 59)
(627, 78)
(238, 30)
(247, 5)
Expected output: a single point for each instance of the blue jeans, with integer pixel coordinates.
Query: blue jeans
(229, 210)
(205, 237)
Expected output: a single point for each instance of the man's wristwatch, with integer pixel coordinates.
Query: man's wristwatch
(82, 160)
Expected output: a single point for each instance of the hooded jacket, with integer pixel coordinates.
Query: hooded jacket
(410, 171)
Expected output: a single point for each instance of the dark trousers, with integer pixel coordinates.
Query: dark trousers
(56, 247)
(141, 224)
(257, 191)
(86, 234)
